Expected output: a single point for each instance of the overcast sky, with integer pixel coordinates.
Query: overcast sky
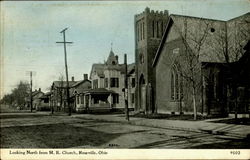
(30, 30)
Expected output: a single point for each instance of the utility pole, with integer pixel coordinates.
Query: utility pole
(126, 87)
(31, 74)
(31, 97)
(66, 68)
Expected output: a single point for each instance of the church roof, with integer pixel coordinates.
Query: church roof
(175, 20)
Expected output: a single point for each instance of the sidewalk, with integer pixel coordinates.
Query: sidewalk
(237, 131)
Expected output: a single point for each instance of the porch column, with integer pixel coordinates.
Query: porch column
(111, 100)
(90, 101)
(84, 100)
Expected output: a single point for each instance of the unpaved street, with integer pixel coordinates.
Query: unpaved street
(41, 130)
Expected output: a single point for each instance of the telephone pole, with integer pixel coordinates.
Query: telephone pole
(66, 67)
(31, 97)
(126, 88)
(31, 74)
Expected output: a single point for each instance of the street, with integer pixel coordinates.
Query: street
(42, 130)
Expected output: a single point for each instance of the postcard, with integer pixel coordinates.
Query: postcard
(125, 79)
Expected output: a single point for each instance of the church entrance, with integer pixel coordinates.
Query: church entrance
(142, 93)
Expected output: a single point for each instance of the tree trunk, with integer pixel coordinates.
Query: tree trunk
(236, 104)
(194, 104)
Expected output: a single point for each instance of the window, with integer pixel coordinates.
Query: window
(95, 83)
(141, 57)
(115, 98)
(172, 86)
(77, 99)
(106, 82)
(176, 86)
(143, 32)
(133, 82)
(46, 100)
(132, 98)
(114, 82)
(157, 29)
(138, 33)
(82, 99)
(153, 28)
(96, 101)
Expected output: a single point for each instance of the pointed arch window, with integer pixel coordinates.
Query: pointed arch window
(176, 85)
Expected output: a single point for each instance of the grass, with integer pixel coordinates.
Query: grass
(52, 136)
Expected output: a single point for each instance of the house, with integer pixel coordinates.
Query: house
(131, 85)
(36, 101)
(185, 63)
(45, 102)
(108, 83)
(78, 91)
(59, 94)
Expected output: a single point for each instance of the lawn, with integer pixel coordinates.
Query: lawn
(52, 136)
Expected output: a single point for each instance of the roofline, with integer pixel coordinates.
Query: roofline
(239, 16)
(169, 24)
(210, 19)
(80, 82)
(92, 68)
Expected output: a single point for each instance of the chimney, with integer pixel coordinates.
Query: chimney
(39, 89)
(116, 57)
(72, 79)
(85, 76)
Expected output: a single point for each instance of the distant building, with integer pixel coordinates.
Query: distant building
(108, 83)
(45, 102)
(211, 46)
(78, 91)
(59, 93)
(36, 101)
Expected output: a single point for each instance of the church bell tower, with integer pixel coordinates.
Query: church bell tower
(149, 27)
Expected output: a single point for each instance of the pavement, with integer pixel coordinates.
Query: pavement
(208, 126)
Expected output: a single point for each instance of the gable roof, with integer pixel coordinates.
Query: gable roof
(63, 84)
(98, 68)
(171, 20)
(80, 82)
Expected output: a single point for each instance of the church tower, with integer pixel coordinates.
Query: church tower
(149, 28)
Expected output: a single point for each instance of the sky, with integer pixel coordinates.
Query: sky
(30, 30)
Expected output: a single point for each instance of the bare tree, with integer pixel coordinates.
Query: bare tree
(193, 34)
(231, 41)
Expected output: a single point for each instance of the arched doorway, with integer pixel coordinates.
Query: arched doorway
(142, 93)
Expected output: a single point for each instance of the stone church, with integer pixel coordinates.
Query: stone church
(181, 60)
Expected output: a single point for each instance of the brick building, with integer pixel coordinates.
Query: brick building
(166, 60)
(149, 28)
